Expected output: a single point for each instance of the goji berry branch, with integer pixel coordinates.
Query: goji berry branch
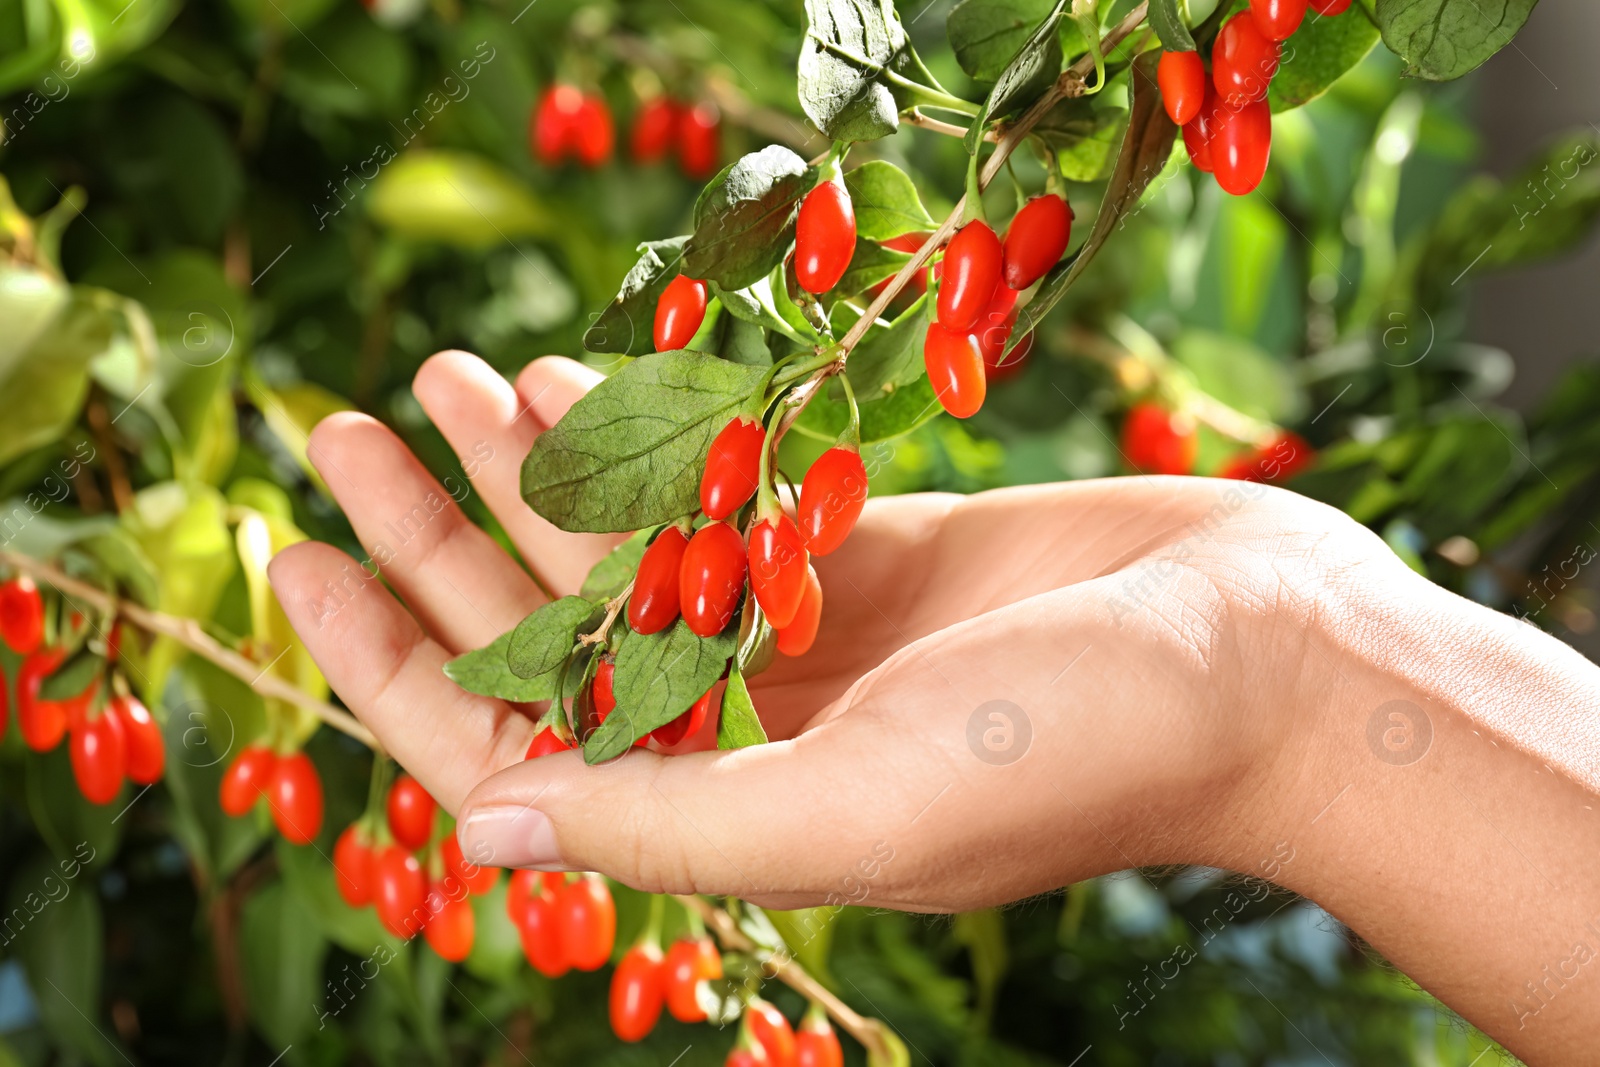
(869, 1032)
(188, 633)
(1070, 84)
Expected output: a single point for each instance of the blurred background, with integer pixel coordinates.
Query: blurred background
(225, 219)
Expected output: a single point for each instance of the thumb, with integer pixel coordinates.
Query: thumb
(771, 823)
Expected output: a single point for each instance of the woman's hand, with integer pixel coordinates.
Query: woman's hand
(1010, 692)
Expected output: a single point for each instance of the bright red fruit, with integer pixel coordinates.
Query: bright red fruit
(995, 331)
(97, 758)
(544, 743)
(540, 931)
(655, 128)
(592, 131)
(1182, 78)
(831, 499)
(733, 466)
(5, 703)
(400, 892)
(690, 962)
(816, 1045)
(796, 638)
(1243, 60)
(451, 926)
(772, 1030)
(1035, 240)
(679, 313)
(553, 123)
(411, 812)
(246, 779)
(711, 578)
(295, 796)
(685, 725)
(587, 917)
(778, 559)
(1159, 441)
(1277, 19)
(740, 1057)
(971, 271)
(654, 602)
(605, 697)
(1280, 459)
(824, 237)
(636, 992)
(146, 755)
(700, 140)
(1242, 146)
(353, 866)
(955, 369)
(1200, 131)
(21, 615)
(42, 723)
(1329, 7)
(478, 880)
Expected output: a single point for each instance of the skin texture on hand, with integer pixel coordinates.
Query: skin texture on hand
(1011, 692)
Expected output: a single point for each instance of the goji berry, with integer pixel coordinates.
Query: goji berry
(1243, 60)
(831, 498)
(544, 743)
(1329, 7)
(1182, 79)
(411, 811)
(592, 131)
(689, 962)
(653, 604)
(353, 866)
(21, 615)
(769, 1027)
(1277, 19)
(400, 892)
(587, 919)
(636, 992)
(1035, 241)
(824, 237)
(733, 466)
(711, 578)
(246, 779)
(98, 758)
(955, 369)
(972, 264)
(1278, 460)
(145, 751)
(1159, 441)
(451, 926)
(1242, 145)
(295, 796)
(552, 126)
(1200, 132)
(679, 313)
(655, 129)
(796, 638)
(778, 559)
(700, 140)
(815, 1043)
(686, 725)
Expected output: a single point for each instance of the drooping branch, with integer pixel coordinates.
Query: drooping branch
(189, 634)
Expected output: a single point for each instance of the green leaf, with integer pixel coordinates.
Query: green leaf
(870, 264)
(1319, 54)
(456, 198)
(1082, 131)
(1443, 39)
(542, 642)
(757, 305)
(1146, 148)
(890, 357)
(627, 324)
(657, 677)
(985, 34)
(744, 219)
(739, 726)
(73, 677)
(629, 454)
(1166, 18)
(610, 576)
(742, 342)
(886, 201)
(898, 413)
(485, 671)
(282, 949)
(848, 50)
(61, 944)
(1029, 74)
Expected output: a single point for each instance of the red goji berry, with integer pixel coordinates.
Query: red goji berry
(246, 779)
(689, 962)
(1242, 145)
(831, 498)
(552, 126)
(655, 129)
(1243, 60)
(679, 313)
(686, 725)
(400, 892)
(972, 265)
(955, 369)
(410, 810)
(711, 578)
(796, 638)
(824, 237)
(21, 615)
(353, 866)
(1035, 241)
(295, 796)
(778, 559)
(145, 751)
(1181, 77)
(451, 926)
(587, 918)
(653, 604)
(700, 140)
(1277, 19)
(98, 757)
(733, 467)
(637, 992)
(1159, 441)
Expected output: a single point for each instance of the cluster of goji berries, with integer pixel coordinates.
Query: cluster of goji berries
(111, 736)
(568, 123)
(1227, 123)
(980, 278)
(288, 780)
(1159, 440)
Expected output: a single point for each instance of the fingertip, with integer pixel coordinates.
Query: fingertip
(550, 385)
(330, 439)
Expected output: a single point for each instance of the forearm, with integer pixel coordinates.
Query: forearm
(1441, 801)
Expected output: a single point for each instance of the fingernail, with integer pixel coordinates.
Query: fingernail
(511, 837)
